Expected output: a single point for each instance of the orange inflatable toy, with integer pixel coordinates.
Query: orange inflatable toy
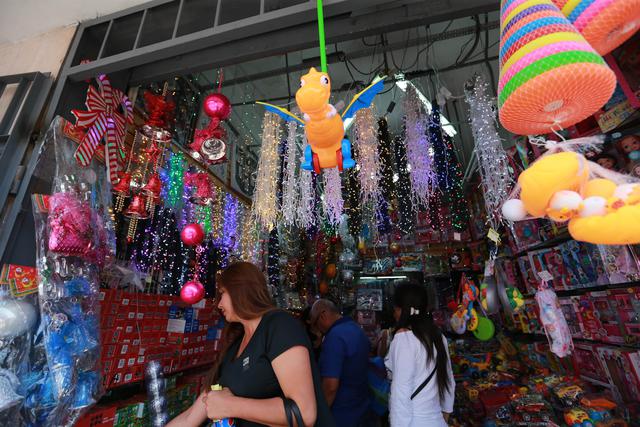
(605, 24)
(600, 207)
(550, 77)
(324, 127)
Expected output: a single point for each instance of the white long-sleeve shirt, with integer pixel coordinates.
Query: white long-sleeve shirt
(408, 368)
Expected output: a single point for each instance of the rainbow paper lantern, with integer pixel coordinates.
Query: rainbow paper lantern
(605, 24)
(550, 77)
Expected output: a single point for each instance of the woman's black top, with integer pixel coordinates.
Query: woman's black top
(251, 375)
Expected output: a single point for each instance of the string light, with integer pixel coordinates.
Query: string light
(306, 210)
(424, 180)
(218, 217)
(449, 173)
(365, 137)
(265, 207)
(290, 182)
(176, 180)
(387, 190)
(492, 158)
(230, 228)
(407, 215)
(332, 199)
(273, 259)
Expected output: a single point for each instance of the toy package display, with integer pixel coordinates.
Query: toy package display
(627, 304)
(74, 238)
(620, 264)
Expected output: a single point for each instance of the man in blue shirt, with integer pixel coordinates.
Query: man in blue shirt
(344, 361)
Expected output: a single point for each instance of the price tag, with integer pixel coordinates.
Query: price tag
(493, 236)
(545, 275)
(457, 237)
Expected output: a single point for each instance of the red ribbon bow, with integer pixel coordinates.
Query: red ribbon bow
(101, 119)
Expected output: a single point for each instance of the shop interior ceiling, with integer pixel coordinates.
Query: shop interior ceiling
(264, 46)
(445, 54)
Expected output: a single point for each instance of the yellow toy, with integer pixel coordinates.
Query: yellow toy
(324, 128)
(599, 210)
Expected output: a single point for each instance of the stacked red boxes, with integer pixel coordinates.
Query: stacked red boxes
(138, 328)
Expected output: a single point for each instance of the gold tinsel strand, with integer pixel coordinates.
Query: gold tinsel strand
(216, 212)
(265, 201)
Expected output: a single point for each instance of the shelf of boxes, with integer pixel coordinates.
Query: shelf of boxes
(137, 328)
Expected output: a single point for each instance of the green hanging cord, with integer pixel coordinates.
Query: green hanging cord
(323, 47)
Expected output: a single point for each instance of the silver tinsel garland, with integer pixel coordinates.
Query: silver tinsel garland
(492, 158)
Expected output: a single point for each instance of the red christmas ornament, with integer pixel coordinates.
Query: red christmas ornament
(160, 110)
(217, 105)
(153, 187)
(136, 209)
(192, 292)
(123, 187)
(192, 234)
(398, 263)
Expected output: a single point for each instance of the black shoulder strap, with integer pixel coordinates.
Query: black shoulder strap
(424, 384)
(291, 408)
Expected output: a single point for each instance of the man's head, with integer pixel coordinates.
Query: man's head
(324, 314)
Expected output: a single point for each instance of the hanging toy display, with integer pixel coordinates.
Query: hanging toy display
(554, 322)
(605, 24)
(323, 126)
(550, 77)
(601, 206)
(69, 281)
(465, 317)
(108, 113)
(209, 143)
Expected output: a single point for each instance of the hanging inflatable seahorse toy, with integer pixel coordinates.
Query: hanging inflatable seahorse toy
(324, 127)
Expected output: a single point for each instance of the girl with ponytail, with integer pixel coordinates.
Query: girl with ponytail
(422, 384)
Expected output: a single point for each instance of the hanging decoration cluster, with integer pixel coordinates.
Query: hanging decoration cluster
(230, 228)
(290, 189)
(449, 173)
(492, 158)
(306, 209)
(424, 180)
(265, 198)
(406, 220)
(366, 139)
(332, 202)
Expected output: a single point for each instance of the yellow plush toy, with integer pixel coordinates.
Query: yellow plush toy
(598, 210)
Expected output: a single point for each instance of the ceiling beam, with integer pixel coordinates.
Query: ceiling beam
(218, 35)
(390, 16)
(361, 53)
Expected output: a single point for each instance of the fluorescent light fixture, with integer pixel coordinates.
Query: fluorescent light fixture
(446, 125)
(381, 277)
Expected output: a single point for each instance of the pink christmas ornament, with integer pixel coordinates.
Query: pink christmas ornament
(217, 105)
(192, 234)
(192, 292)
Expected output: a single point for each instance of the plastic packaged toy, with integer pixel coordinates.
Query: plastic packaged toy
(74, 239)
(555, 325)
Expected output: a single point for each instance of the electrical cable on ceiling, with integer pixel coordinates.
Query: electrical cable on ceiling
(475, 43)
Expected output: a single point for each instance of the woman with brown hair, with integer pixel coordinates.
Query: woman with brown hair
(265, 359)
